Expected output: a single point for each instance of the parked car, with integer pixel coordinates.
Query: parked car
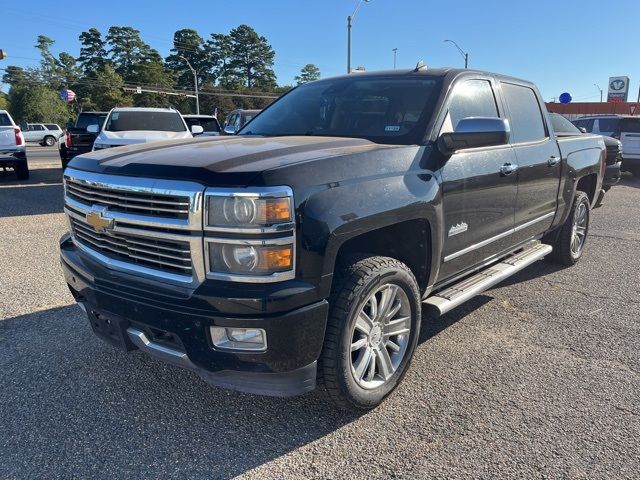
(127, 126)
(209, 124)
(13, 152)
(238, 119)
(621, 127)
(305, 248)
(44, 134)
(563, 127)
(76, 139)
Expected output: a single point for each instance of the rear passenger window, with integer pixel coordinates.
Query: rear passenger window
(5, 121)
(472, 98)
(525, 116)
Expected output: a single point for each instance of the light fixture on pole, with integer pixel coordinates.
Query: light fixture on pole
(395, 54)
(195, 83)
(350, 20)
(599, 89)
(464, 54)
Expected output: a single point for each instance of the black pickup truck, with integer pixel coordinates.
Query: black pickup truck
(308, 249)
(76, 139)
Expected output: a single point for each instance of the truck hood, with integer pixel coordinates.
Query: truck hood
(222, 160)
(138, 136)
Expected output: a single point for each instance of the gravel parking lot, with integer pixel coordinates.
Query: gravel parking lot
(538, 378)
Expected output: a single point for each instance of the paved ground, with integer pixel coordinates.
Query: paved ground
(539, 378)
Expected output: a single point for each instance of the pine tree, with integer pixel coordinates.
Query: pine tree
(308, 73)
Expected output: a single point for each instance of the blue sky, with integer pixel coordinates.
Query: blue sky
(561, 46)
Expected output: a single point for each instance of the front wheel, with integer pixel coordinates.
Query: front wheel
(372, 331)
(49, 141)
(569, 245)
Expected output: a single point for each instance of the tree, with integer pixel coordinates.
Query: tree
(4, 101)
(251, 58)
(128, 50)
(189, 44)
(108, 91)
(48, 63)
(68, 70)
(93, 52)
(155, 75)
(39, 104)
(308, 73)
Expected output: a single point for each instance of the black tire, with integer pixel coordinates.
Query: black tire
(22, 169)
(355, 284)
(49, 141)
(563, 253)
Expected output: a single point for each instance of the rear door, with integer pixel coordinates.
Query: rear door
(538, 159)
(478, 200)
(630, 136)
(7, 132)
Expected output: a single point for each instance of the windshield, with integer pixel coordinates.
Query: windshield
(382, 109)
(562, 125)
(141, 120)
(86, 119)
(207, 124)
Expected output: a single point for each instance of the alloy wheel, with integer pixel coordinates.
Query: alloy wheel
(579, 231)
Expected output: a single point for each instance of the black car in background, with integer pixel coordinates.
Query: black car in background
(564, 127)
(209, 123)
(76, 139)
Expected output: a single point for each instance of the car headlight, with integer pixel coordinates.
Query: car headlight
(249, 257)
(100, 146)
(247, 210)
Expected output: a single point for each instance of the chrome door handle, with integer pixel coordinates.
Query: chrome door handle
(553, 161)
(508, 169)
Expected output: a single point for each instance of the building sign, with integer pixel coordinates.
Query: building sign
(618, 89)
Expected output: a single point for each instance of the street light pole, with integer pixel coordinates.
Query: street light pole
(600, 90)
(195, 83)
(464, 54)
(395, 53)
(350, 20)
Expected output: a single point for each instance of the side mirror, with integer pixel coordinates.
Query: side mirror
(197, 129)
(229, 130)
(475, 132)
(583, 130)
(93, 128)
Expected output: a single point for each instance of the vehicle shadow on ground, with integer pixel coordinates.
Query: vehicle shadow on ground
(628, 180)
(41, 194)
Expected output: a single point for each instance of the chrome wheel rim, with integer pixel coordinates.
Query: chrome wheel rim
(579, 231)
(380, 336)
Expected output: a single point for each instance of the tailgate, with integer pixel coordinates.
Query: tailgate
(7, 137)
(82, 139)
(630, 136)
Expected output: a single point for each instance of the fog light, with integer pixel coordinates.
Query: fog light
(231, 338)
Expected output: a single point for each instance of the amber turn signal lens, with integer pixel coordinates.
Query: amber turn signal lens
(276, 210)
(277, 258)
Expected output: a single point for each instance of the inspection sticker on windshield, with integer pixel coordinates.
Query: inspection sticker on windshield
(115, 116)
(392, 128)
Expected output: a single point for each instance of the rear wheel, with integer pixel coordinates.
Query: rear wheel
(49, 141)
(569, 245)
(372, 332)
(22, 170)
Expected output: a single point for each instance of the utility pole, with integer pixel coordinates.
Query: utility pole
(600, 90)
(395, 53)
(350, 20)
(195, 83)
(464, 54)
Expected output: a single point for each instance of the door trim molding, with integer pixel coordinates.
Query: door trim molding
(486, 242)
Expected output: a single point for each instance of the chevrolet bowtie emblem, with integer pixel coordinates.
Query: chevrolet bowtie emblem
(98, 222)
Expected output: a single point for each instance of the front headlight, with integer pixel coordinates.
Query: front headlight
(250, 234)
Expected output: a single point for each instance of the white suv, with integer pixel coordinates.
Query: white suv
(621, 127)
(46, 134)
(128, 126)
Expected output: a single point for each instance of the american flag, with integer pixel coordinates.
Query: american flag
(67, 95)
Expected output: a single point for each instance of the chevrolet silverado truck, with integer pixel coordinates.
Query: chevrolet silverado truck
(13, 152)
(308, 249)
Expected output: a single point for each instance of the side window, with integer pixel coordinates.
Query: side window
(39, 128)
(525, 116)
(587, 124)
(608, 125)
(237, 122)
(472, 98)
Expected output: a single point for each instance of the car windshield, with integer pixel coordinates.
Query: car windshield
(382, 109)
(208, 124)
(562, 125)
(86, 119)
(145, 120)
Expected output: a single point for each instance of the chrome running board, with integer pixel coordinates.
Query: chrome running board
(445, 300)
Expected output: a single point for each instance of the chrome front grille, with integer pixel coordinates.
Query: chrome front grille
(123, 200)
(170, 256)
(152, 228)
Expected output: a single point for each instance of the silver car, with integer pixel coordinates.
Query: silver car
(43, 133)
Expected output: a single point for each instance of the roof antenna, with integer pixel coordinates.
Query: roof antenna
(420, 66)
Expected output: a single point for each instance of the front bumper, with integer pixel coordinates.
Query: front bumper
(172, 323)
(611, 175)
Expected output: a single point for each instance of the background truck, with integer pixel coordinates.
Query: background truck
(76, 139)
(13, 152)
(309, 248)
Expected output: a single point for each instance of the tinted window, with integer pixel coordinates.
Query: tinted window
(587, 124)
(608, 125)
(154, 121)
(630, 125)
(385, 109)
(208, 124)
(36, 128)
(525, 116)
(5, 121)
(52, 126)
(562, 125)
(473, 98)
(86, 119)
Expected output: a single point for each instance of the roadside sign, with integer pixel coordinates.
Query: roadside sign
(618, 89)
(565, 98)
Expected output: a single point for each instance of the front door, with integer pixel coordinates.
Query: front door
(479, 187)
